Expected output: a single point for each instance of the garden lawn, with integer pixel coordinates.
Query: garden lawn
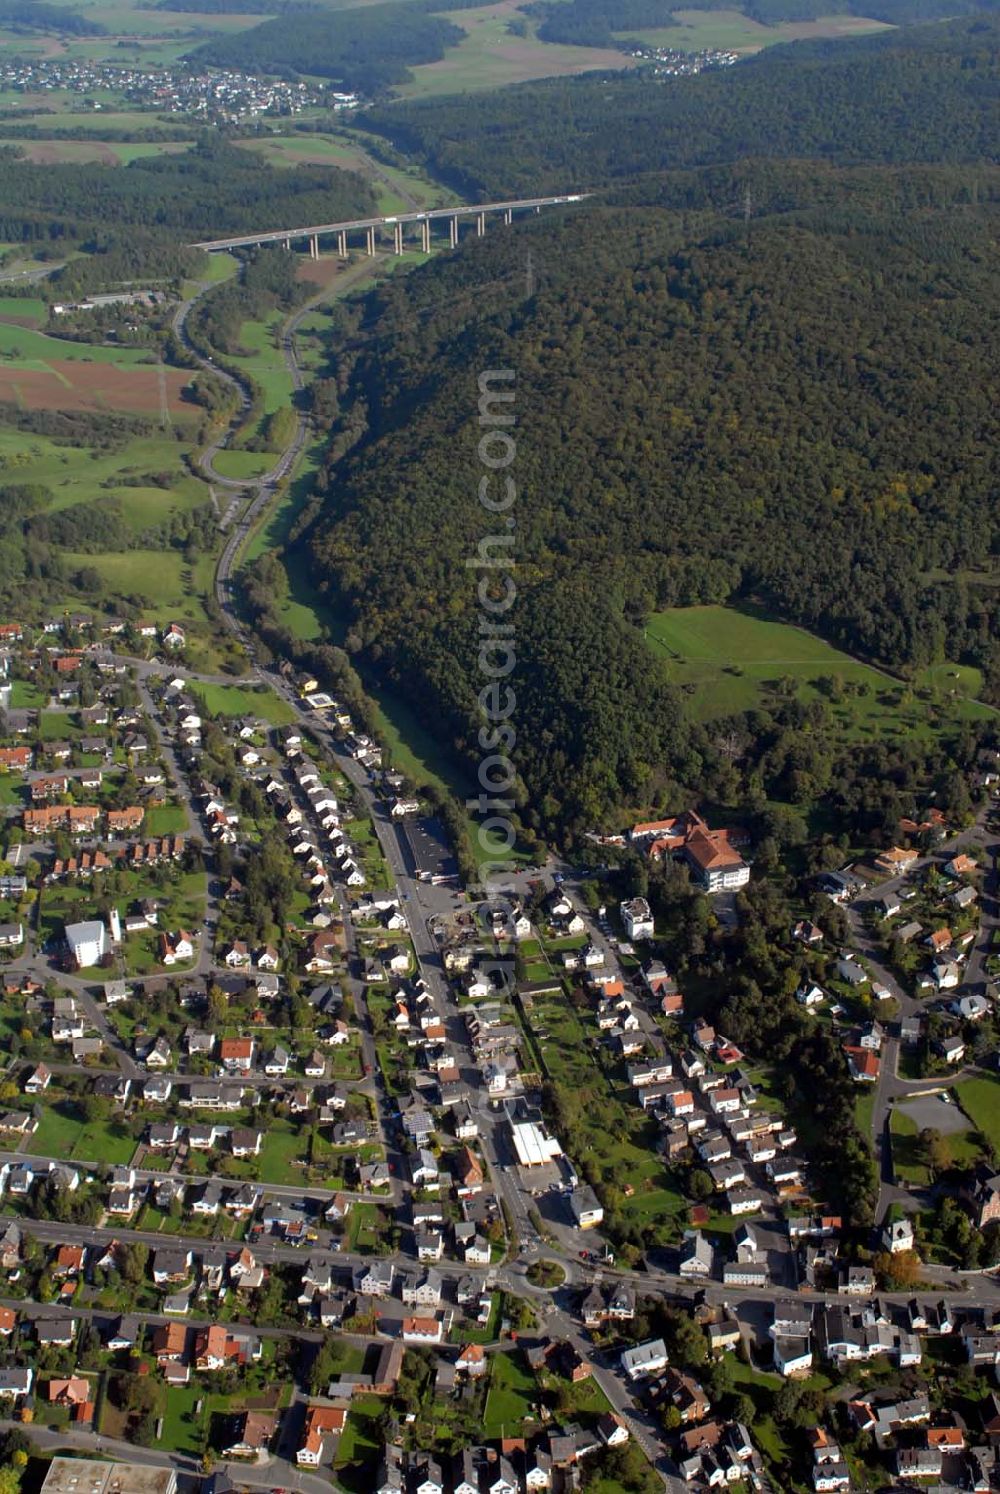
(165, 819)
(182, 1426)
(906, 1153)
(24, 696)
(864, 1110)
(58, 1131)
(281, 1149)
(360, 1440)
(510, 1399)
(980, 1099)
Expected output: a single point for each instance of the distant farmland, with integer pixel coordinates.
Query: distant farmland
(727, 661)
(62, 385)
(38, 372)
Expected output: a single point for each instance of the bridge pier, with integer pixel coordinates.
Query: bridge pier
(288, 244)
(314, 246)
(342, 243)
(425, 235)
(508, 216)
(370, 241)
(453, 232)
(480, 225)
(397, 238)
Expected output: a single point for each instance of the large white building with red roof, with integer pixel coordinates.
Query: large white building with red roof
(715, 862)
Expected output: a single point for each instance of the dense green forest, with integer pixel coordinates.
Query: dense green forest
(592, 23)
(35, 15)
(213, 189)
(803, 410)
(922, 94)
(365, 49)
(112, 259)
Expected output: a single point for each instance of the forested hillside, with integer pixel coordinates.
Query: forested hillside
(924, 94)
(365, 49)
(210, 190)
(803, 410)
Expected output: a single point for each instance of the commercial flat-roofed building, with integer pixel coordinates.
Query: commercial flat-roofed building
(93, 1476)
(533, 1145)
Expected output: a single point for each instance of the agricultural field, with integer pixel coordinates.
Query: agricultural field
(45, 373)
(146, 480)
(731, 31)
(169, 588)
(23, 311)
(726, 661)
(397, 189)
(490, 56)
(105, 153)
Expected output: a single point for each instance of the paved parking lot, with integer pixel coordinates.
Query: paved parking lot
(933, 1113)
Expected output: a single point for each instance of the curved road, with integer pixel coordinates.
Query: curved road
(264, 488)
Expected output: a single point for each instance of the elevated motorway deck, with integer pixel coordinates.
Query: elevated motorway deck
(396, 221)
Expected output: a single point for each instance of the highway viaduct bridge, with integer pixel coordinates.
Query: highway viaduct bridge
(371, 227)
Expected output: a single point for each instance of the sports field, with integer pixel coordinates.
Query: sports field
(727, 661)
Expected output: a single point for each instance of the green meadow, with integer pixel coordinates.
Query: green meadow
(261, 358)
(235, 700)
(33, 348)
(980, 1099)
(726, 661)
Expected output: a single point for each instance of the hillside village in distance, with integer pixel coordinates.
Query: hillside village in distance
(294, 1175)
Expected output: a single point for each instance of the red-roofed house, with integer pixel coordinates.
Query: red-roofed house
(322, 1422)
